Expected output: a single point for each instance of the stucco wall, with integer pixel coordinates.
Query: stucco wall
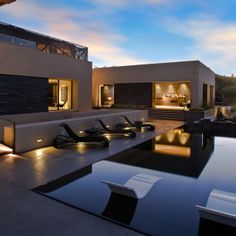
(206, 76)
(26, 135)
(23, 61)
(174, 71)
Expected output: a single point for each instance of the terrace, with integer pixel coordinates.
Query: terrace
(27, 170)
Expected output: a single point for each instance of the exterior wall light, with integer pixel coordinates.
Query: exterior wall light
(39, 140)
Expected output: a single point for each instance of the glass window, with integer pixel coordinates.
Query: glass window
(60, 94)
(18, 41)
(106, 95)
(65, 88)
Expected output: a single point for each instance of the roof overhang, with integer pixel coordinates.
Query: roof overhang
(3, 2)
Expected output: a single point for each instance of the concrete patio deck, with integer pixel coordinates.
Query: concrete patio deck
(23, 212)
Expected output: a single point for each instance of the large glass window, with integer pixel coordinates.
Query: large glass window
(60, 94)
(106, 95)
(172, 94)
(18, 41)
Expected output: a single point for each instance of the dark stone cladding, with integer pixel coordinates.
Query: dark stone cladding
(22, 94)
(137, 94)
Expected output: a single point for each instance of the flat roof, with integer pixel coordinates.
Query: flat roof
(153, 64)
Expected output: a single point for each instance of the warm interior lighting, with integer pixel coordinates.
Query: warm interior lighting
(39, 140)
(158, 138)
(169, 107)
(183, 138)
(170, 135)
(173, 150)
(172, 94)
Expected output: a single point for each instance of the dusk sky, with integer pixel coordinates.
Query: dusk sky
(124, 32)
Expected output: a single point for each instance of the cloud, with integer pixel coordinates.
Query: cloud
(83, 27)
(213, 40)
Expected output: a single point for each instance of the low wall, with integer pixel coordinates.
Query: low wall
(29, 118)
(219, 128)
(26, 135)
(191, 116)
(37, 117)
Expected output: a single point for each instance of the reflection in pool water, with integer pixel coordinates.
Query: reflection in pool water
(169, 207)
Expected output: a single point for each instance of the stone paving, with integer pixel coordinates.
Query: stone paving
(23, 212)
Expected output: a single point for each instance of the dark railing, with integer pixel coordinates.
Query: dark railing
(22, 37)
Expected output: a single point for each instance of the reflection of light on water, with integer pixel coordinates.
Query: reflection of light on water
(173, 150)
(183, 138)
(171, 145)
(178, 131)
(158, 138)
(170, 135)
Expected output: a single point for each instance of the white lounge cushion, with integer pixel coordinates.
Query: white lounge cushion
(137, 186)
(221, 207)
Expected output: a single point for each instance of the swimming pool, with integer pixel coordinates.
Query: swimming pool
(188, 166)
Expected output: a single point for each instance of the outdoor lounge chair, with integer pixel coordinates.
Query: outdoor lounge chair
(220, 208)
(138, 124)
(71, 137)
(113, 131)
(136, 187)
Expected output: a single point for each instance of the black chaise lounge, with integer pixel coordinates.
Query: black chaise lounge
(70, 137)
(138, 124)
(113, 131)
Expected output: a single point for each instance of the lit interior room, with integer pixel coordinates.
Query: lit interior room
(174, 95)
(106, 95)
(60, 94)
(175, 142)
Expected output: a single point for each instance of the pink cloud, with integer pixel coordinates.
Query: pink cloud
(83, 28)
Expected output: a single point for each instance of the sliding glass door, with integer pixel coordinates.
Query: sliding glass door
(60, 94)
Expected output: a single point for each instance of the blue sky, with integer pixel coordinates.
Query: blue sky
(124, 32)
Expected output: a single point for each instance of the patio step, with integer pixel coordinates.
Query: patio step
(167, 114)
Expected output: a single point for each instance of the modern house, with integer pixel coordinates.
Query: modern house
(164, 85)
(39, 73)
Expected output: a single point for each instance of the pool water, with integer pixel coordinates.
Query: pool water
(189, 165)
